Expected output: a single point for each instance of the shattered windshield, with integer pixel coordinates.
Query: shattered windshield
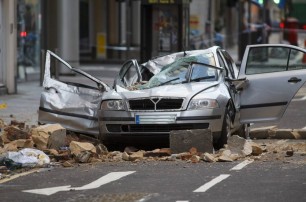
(175, 72)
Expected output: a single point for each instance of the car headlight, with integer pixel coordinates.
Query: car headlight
(112, 105)
(203, 103)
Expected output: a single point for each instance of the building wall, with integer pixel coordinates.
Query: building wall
(8, 45)
(1, 46)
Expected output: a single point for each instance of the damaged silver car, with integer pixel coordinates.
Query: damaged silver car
(181, 91)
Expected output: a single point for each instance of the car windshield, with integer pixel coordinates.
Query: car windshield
(175, 72)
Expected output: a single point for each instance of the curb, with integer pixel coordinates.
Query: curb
(278, 134)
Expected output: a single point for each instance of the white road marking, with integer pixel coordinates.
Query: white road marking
(93, 185)
(242, 164)
(211, 183)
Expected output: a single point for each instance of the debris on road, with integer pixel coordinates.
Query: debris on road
(183, 140)
(51, 145)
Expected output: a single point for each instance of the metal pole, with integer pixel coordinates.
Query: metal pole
(249, 23)
(42, 66)
(264, 20)
(56, 65)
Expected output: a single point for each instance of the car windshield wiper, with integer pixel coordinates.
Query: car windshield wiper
(202, 78)
(177, 78)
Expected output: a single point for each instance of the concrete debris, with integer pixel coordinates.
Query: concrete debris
(101, 149)
(125, 156)
(289, 153)
(158, 153)
(2, 124)
(208, 157)
(226, 155)
(14, 133)
(83, 156)
(11, 146)
(256, 149)
(195, 159)
(224, 158)
(183, 140)
(130, 149)
(78, 147)
(275, 133)
(18, 124)
(136, 155)
(192, 146)
(67, 164)
(51, 136)
(239, 145)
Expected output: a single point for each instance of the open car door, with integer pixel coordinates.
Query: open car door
(274, 74)
(73, 105)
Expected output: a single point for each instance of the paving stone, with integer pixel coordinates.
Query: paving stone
(183, 140)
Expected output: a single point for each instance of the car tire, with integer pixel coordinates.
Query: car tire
(226, 130)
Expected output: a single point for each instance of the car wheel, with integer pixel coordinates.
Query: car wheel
(226, 130)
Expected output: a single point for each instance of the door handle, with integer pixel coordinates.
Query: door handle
(294, 80)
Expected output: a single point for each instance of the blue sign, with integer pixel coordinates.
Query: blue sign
(137, 119)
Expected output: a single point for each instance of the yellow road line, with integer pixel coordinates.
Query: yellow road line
(19, 175)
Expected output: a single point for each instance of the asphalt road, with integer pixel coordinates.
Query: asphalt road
(164, 181)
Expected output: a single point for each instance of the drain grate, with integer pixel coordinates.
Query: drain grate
(113, 197)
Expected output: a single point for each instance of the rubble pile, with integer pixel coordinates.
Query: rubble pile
(24, 147)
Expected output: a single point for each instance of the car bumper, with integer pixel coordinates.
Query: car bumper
(114, 124)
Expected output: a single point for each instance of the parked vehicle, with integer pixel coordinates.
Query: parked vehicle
(186, 90)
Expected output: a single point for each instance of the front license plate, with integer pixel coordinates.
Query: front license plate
(147, 119)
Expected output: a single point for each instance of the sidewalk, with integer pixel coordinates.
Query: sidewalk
(22, 106)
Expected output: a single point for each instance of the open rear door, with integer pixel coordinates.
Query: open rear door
(73, 105)
(274, 73)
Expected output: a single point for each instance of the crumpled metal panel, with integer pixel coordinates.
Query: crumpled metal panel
(75, 108)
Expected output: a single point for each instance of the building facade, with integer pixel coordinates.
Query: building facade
(85, 31)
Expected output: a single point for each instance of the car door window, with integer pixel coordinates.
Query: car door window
(274, 73)
(129, 74)
(229, 62)
(267, 59)
(297, 60)
(222, 63)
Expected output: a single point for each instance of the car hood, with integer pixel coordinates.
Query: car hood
(186, 90)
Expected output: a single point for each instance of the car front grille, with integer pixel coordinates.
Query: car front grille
(156, 104)
(147, 128)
